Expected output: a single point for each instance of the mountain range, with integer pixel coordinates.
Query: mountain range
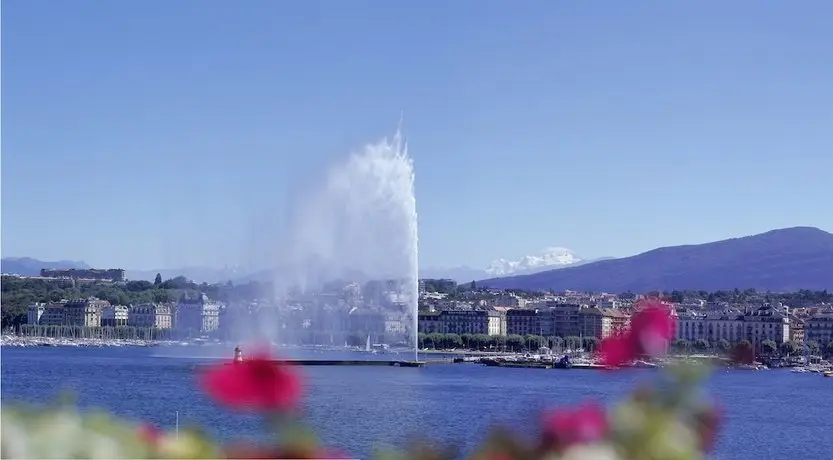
(779, 260)
(549, 259)
(317, 271)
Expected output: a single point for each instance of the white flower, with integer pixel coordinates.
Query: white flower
(591, 452)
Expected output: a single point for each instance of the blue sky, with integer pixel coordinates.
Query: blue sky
(159, 134)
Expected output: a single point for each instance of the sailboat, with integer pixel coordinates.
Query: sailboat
(367, 345)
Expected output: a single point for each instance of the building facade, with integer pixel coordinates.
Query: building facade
(819, 328)
(199, 315)
(756, 326)
(114, 316)
(462, 322)
(150, 315)
(84, 312)
(110, 274)
(523, 322)
(34, 313)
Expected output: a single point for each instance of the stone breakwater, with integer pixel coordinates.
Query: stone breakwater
(15, 341)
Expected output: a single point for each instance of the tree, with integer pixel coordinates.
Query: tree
(830, 348)
(701, 345)
(723, 345)
(814, 347)
(789, 348)
(473, 286)
(573, 342)
(590, 343)
(769, 347)
(158, 280)
(680, 346)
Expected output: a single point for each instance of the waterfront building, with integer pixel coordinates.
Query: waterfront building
(523, 322)
(84, 312)
(575, 320)
(497, 323)
(601, 323)
(114, 316)
(53, 315)
(767, 323)
(200, 315)
(111, 274)
(150, 315)
(34, 313)
(429, 323)
(462, 322)
(796, 329)
(465, 322)
(756, 326)
(819, 328)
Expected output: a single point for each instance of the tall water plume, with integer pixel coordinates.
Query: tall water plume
(362, 221)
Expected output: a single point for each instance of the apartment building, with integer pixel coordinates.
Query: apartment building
(150, 315)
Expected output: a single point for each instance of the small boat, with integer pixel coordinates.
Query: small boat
(564, 363)
(828, 374)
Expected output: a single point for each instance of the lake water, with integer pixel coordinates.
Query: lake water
(772, 414)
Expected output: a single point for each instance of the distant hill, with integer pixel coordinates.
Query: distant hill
(26, 266)
(779, 260)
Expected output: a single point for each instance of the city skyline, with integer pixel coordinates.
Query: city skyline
(163, 138)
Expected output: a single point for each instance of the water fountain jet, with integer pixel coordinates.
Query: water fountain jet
(363, 219)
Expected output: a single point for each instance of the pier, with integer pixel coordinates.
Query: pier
(345, 362)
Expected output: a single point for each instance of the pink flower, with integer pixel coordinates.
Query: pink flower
(651, 329)
(258, 383)
(584, 424)
(149, 434)
(617, 350)
(652, 326)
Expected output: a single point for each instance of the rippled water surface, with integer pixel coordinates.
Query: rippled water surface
(772, 414)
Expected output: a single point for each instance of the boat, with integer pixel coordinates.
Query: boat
(828, 374)
(564, 363)
(641, 364)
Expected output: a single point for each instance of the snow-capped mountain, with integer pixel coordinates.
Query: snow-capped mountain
(550, 258)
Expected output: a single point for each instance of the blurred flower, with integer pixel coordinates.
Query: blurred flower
(651, 329)
(584, 424)
(617, 350)
(149, 434)
(708, 424)
(591, 452)
(258, 384)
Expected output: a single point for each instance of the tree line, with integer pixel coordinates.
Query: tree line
(803, 296)
(518, 343)
(18, 293)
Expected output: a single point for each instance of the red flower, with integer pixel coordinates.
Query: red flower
(149, 434)
(258, 383)
(584, 424)
(651, 329)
